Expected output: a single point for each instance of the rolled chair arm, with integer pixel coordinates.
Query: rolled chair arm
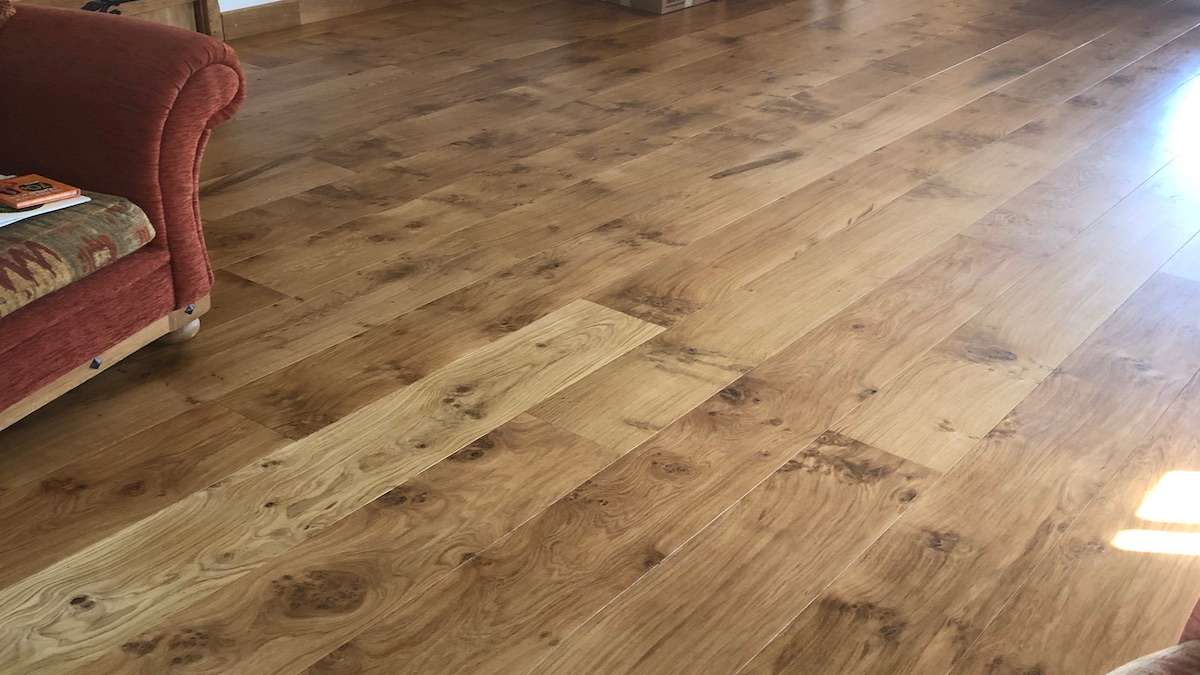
(122, 106)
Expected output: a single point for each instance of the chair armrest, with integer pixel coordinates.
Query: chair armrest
(122, 106)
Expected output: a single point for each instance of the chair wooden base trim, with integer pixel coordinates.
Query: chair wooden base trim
(178, 326)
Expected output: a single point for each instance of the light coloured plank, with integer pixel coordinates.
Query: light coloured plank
(779, 544)
(297, 608)
(315, 392)
(937, 411)
(752, 323)
(939, 408)
(1131, 602)
(197, 545)
(927, 588)
(547, 578)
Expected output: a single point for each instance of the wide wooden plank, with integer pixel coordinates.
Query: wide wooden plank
(1100, 589)
(299, 607)
(603, 196)
(755, 321)
(555, 571)
(203, 542)
(920, 595)
(968, 189)
(68, 509)
(782, 542)
(247, 189)
(102, 411)
(488, 192)
(765, 168)
(943, 405)
(315, 392)
(847, 238)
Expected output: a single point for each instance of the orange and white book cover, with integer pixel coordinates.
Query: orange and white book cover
(24, 192)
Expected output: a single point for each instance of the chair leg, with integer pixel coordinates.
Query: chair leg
(182, 334)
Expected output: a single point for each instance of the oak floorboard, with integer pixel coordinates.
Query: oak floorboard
(784, 540)
(354, 303)
(298, 608)
(938, 246)
(625, 420)
(303, 398)
(934, 413)
(195, 546)
(234, 297)
(693, 202)
(637, 512)
(920, 595)
(88, 419)
(1098, 592)
(582, 126)
(74, 506)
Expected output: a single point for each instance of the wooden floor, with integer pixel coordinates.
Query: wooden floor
(813, 336)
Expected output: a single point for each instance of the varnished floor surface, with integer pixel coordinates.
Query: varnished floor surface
(805, 336)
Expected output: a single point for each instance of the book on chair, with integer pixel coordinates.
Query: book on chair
(9, 215)
(23, 192)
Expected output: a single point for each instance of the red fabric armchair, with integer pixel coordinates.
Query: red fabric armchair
(124, 107)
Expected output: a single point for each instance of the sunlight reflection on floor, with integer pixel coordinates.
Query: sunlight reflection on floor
(1174, 499)
(1155, 541)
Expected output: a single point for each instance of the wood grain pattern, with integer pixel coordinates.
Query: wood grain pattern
(1076, 427)
(648, 503)
(781, 543)
(92, 498)
(550, 336)
(235, 297)
(247, 189)
(938, 410)
(193, 547)
(1086, 570)
(300, 607)
(666, 304)
(377, 227)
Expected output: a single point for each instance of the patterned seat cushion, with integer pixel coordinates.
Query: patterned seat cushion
(43, 254)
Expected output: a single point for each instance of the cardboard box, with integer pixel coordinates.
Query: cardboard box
(659, 6)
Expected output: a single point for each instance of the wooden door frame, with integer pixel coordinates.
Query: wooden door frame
(208, 18)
